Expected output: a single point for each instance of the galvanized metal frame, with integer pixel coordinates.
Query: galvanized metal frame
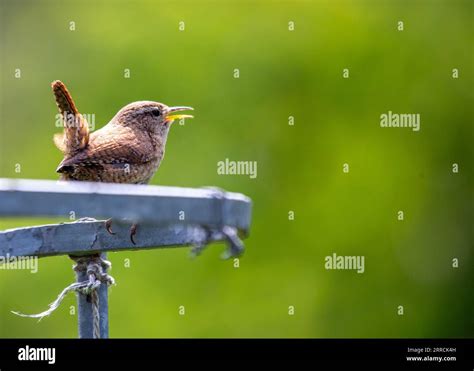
(166, 217)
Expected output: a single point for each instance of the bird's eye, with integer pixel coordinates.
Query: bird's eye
(156, 112)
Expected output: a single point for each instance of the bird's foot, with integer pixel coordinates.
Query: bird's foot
(133, 232)
(108, 226)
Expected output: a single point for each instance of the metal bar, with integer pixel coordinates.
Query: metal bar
(84, 310)
(166, 216)
(140, 203)
(87, 237)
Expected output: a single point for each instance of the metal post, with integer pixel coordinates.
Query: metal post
(84, 309)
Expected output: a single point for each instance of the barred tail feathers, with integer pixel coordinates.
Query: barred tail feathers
(76, 128)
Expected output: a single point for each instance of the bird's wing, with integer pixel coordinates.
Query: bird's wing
(76, 128)
(104, 148)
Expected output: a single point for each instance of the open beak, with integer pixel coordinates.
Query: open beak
(170, 110)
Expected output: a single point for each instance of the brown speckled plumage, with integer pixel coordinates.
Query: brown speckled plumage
(129, 149)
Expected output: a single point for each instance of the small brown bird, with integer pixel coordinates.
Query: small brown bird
(129, 149)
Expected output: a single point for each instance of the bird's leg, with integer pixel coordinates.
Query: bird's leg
(108, 226)
(133, 232)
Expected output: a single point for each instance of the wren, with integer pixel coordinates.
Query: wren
(129, 149)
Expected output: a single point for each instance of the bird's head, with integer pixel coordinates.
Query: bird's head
(151, 116)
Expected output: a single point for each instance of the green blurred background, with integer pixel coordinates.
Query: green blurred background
(282, 73)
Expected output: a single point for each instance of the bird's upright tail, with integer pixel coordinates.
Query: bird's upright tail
(76, 128)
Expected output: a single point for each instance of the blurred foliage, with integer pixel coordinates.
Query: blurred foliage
(282, 73)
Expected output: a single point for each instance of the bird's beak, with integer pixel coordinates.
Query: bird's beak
(170, 110)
